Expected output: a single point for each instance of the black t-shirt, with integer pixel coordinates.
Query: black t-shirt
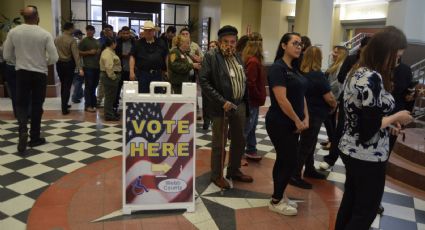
(280, 74)
(318, 86)
(402, 81)
(150, 56)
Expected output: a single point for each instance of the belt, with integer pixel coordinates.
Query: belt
(152, 71)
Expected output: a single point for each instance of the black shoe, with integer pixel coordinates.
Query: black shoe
(76, 101)
(112, 118)
(206, 125)
(65, 112)
(23, 141)
(381, 210)
(37, 142)
(68, 106)
(314, 174)
(300, 183)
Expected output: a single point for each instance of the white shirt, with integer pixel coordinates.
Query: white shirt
(32, 47)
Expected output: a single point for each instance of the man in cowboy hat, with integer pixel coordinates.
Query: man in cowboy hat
(147, 60)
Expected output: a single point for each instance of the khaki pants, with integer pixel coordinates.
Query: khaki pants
(100, 93)
(235, 120)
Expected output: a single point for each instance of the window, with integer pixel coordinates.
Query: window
(87, 12)
(174, 15)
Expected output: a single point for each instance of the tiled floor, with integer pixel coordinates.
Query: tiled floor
(81, 140)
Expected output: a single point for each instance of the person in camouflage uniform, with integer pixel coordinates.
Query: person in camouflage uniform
(180, 66)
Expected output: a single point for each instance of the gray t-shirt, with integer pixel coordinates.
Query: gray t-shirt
(126, 49)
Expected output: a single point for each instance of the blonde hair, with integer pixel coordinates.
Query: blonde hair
(312, 60)
(253, 48)
(179, 39)
(342, 53)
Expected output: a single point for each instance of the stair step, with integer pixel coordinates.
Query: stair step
(406, 171)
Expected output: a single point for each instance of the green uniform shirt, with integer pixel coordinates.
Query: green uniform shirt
(179, 67)
(90, 61)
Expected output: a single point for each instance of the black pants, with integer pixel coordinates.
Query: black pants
(285, 142)
(125, 76)
(363, 189)
(308, 141)
(30, 86)
(66, 76)
(334, 152)
(330, 125)
(91, 80)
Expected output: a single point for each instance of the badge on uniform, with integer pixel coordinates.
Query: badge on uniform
(182, 56)
(172, 57)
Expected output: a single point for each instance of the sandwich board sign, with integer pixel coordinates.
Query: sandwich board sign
(159, 148)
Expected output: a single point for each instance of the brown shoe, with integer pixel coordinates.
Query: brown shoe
(221, 183)
(239, 176)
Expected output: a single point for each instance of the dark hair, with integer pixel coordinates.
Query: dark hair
(380, 54)
(108, 26)
(125, 28)
(241, 43)
(184, 29)
(171, 29)
(68, 26)
(109, 41)
(364, 41)
(90, 27)
(306, 43)
(285, 39)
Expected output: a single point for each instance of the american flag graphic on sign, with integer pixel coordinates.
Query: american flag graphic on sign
(142, 179)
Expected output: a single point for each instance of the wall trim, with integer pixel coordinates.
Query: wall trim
(362, 22)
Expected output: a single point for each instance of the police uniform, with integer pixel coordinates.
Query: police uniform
(180, 69)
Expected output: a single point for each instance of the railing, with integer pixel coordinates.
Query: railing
(354, 44)
(418, 71)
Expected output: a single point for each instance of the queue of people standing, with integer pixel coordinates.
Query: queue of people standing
(232, 80)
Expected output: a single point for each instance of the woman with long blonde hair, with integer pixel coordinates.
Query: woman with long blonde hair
(252, 56)
(320, 101)
(339, 54)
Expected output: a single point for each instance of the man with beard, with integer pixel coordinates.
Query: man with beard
(223, 82)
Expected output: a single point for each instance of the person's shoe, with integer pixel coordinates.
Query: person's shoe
(253, 156)
(206, 125)
(23, 141)
(37, 142)
(239, 176)
(300, 183)
(76, 101)
(90, 109)
(283, 208)
(327, 147)
(324, 143)
(314, 174)
(221, 183)
(199, 117)
(324, 165)
(65, 112)
(290, 202)
(68, 106)
(381, 209)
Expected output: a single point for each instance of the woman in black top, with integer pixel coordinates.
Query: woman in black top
(286, 118)
(320, 101)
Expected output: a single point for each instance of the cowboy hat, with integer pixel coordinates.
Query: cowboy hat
(148, 25)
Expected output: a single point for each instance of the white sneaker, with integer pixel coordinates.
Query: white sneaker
(283, 208)
(290, 202)
(324, 166)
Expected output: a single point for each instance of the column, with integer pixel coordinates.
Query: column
(314, 19)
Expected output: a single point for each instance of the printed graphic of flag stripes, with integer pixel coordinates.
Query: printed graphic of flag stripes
(139, 168)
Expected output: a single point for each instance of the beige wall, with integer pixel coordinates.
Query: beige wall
(302, 13)
(10, 9)
(337, 29)
(231, 13)
(212, 9)
(45, 11)
(251, 15)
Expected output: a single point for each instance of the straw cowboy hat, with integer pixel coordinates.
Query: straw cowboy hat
(149, 26)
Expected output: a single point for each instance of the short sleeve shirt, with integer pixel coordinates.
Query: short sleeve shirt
(295, 83)
(318, 86)
(150, 56)
(90, 61)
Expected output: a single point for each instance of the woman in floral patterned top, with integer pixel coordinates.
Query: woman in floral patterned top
(365, 142)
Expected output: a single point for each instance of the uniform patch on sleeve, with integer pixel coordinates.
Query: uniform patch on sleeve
(172, 57)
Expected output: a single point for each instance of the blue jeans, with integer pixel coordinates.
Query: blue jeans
(250, 127)
(78, 87)
(145, 79)
(91, 79)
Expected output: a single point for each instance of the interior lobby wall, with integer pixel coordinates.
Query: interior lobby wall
(212, 9)
(251, 15)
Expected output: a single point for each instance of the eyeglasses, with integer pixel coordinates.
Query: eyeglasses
(298, 44)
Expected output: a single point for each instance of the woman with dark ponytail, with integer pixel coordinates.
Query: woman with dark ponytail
(286, 118)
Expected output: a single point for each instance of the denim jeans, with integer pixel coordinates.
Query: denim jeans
(250, 127)
(91, 79)
(78, 87)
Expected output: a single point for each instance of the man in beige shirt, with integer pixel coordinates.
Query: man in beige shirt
(69, 58)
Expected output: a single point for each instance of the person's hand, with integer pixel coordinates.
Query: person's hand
(395, 129)
(227, 106)
(81, 73)
(410, 97)
(197, 66)
(196, 58)
(93, 51)
(132, 76)
(404, 117)
(306, 123)
(300, 126)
